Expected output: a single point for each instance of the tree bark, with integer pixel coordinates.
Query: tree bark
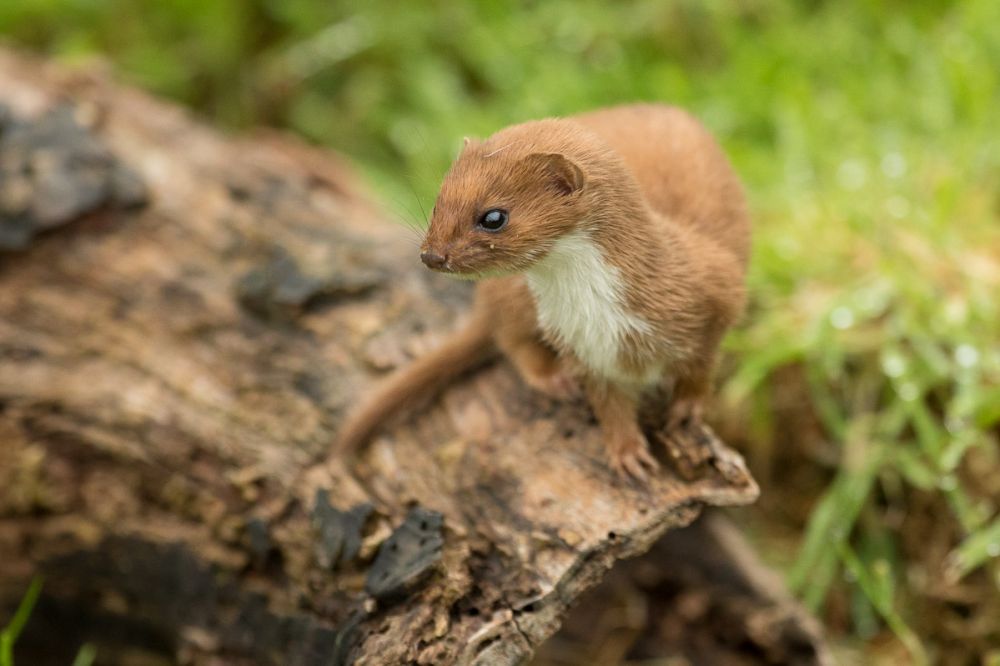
(179, 339)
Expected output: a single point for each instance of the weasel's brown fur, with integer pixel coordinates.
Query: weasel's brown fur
(650, 202)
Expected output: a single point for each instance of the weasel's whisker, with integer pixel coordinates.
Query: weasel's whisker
(409, 181)
(407, 220)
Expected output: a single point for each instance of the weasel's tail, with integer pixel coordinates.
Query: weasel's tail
(420, 381)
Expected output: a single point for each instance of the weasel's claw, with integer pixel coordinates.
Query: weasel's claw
(635, 462)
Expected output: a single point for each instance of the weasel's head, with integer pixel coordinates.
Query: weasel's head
(506, 200)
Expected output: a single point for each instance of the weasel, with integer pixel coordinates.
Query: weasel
(611, 250)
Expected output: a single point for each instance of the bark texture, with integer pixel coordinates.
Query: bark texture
(184, 319)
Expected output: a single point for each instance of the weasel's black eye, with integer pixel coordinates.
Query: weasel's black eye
(494, 219)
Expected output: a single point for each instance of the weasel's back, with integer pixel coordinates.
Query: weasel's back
(680, 168)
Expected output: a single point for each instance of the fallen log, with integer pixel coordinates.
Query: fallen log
(184, 320)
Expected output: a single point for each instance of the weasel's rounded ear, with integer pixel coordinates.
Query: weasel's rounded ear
(466, 142)
(563, 173)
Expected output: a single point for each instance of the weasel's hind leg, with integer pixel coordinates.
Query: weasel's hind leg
(542, 369)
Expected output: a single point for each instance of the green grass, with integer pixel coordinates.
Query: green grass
(10, 633)
(867, 135)
(8, 636)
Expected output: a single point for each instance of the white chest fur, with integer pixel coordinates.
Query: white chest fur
(580, 302)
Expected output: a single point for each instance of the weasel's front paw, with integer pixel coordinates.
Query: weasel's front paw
(630, 457)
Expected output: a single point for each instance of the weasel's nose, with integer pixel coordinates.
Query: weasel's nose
(433, 259)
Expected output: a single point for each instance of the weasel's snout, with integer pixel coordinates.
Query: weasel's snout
(433, 259)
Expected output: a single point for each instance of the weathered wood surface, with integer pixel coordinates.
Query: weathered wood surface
(171, 375)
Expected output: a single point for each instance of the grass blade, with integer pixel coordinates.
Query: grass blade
(9, 635)
(974, 551)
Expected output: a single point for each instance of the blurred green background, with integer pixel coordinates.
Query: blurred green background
(864, 384)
